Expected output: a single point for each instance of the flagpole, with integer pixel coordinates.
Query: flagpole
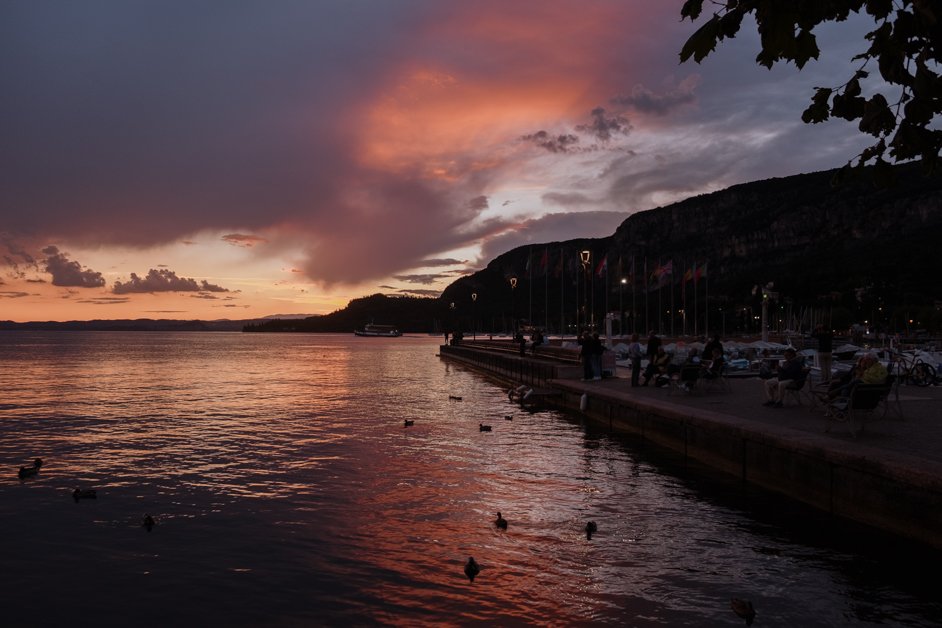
(634, 309)
(706, 304)
(683, 298)
(562, 295)
(696, 314)
(530, 281)
(647, 313)
(546, 290)
(672, 297)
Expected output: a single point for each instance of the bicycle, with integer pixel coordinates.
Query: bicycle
(911, 369)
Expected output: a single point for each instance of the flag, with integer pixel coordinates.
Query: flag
(700, 272)
(689, 273)
(544, 261)
(559, 267)
(602, 268)
(661, 271)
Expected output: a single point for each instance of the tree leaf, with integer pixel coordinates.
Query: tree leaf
(691, 9)
(877, 119)
(806, 47)
(702, 42)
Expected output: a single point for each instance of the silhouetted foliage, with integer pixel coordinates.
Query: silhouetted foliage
(905, 47)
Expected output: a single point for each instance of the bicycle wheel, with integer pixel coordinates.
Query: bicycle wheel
(922, 374)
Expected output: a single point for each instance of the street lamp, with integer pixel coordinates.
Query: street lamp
(585, 257)
(513, 305)
(621, 308)
(474, 327)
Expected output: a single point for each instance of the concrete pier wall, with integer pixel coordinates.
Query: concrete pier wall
(885, 490)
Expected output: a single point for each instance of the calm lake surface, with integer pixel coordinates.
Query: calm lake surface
(287, 492)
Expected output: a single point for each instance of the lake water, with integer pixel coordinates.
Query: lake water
(287, 492)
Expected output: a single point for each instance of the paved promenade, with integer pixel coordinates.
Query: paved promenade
(918, 434)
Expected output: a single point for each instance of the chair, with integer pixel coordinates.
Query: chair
(793, 389)
(716, 381)
(863, 402)
(686, 380)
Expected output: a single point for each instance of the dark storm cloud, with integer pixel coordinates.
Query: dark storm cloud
(138, 124)
(553, 143)
(66, 272)
(660, 103)
(427, 280)
(441, 262)
(104, 300)
(604, 127)
(478, 203)
(418, 292)
(244, 240)
(163, 280)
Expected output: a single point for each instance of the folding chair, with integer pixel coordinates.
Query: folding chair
(686, 380)
(864, 401)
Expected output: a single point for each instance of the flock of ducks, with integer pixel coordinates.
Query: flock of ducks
(78, 494)
(742, 608)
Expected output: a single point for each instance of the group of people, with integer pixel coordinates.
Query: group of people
(590, 352)
(660, 367)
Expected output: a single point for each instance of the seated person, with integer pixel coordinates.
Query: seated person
(868, 370)
(657, 366)
(713, 368)
(690, 371)
(791, 373)
(767, 366)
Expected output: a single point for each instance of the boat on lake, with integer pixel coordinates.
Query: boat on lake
(385, 331)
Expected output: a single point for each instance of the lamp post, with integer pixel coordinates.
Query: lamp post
(585, 257)
(621, 308)
(474, 326)
(513, 305)
(451, 306)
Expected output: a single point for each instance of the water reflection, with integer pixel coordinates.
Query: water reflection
(287, 491)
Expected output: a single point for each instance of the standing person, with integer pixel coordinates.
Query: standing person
(597, 350)
(653, 343)
(825, 338)
(634, 354)
(585, 354)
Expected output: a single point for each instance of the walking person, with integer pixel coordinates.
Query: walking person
(825, 338)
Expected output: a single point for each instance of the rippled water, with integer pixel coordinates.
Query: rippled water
(288, 492)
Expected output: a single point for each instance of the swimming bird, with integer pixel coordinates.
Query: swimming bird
(28, 472)
(471, 569)
(590, 529)
(84, 493)
(744, 609)
(484, 428)
(409, 423)
(454, 398)
(508, 417)
(149, 522)
(501, 522)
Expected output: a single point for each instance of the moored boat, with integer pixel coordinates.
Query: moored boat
(386, 331)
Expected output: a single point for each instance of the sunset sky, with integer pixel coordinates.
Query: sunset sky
(223, 159)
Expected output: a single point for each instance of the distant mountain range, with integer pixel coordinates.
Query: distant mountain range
(843, 254)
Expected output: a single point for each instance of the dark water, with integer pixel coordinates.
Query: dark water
(287, 492)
